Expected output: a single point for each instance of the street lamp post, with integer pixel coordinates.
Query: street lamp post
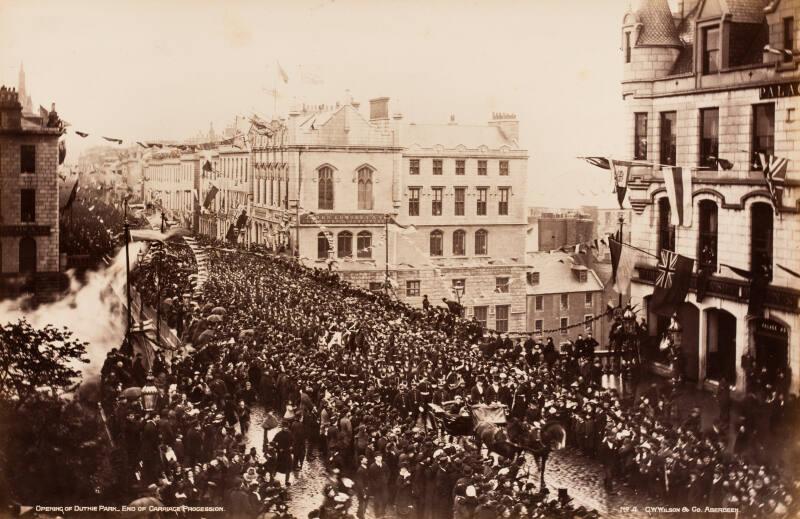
(127, 230)
(386, 217)
(675, 339)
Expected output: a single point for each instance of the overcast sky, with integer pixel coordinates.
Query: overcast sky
(149, 69)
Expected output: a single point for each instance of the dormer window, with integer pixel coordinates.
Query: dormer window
(711, 50)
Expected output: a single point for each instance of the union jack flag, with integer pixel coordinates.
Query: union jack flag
(666, 269)
(775, 174)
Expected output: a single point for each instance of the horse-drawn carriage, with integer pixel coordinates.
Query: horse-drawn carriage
(490, 427)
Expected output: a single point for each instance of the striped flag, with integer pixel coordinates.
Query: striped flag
(623, 261)
(775, 174)
(678, 181)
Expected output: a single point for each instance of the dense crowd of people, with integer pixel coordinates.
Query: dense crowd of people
(350, 372)
(90, 226)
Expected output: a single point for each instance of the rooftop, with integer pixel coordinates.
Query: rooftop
(556, 277)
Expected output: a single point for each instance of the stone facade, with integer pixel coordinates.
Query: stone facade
(38, 233)
(717, 330)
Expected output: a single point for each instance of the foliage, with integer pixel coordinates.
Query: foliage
(32, 358)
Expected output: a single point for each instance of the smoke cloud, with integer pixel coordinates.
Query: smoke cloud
(93, 310)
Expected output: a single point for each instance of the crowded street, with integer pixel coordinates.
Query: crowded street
(400, 260)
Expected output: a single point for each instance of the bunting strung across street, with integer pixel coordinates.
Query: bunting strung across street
(774, 169)
(672, 282)
(81, 134)
(72, 195)
(600, 162)
(325, 231)
(678, 181)
(112, 139)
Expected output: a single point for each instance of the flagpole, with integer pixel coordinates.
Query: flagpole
(386, 252)
(621, 223)
(127, 228)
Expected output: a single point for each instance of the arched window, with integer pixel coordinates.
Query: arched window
(364, 244)
(666, 231)
(707, 238)
(27, 255)
(436, 245)
(322, 246)
(345, 244)
(459, 243)
(325, 200)
(761, 237)
(365, 188)
(481, 242)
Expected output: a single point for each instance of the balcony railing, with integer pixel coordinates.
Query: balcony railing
(777, 298)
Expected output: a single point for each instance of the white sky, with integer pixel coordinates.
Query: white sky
(149, 69)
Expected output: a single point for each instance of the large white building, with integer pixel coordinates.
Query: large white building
(699, 87)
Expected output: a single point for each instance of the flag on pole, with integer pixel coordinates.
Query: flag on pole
(623, 261)
(210, 196)
(621, 171)
(672, 282)
(679, 190)
(72, 195)
(282, 73)
(775, 174)
(788, 270)
(759, 281)
(600, 162)
(401, 229)
(62, 152)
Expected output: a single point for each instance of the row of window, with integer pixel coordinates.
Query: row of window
(563, 300)
(437, 167)
(563, 323)
(344, 244)
(459, 201)
(501, 285)
(761, 233)
(501, 312)
(459, 243)
(325, 191)
(762, 132)
(272, 191)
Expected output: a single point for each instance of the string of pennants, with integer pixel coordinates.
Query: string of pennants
(261, 126)
(678, 180)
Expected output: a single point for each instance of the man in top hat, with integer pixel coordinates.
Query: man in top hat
(284, 443)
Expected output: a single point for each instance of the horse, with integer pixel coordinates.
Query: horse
(540, 440)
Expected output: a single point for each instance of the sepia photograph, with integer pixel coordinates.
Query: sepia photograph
(400, 259)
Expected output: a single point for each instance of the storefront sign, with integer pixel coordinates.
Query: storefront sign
(771, 328)
(780, 90)
(342, 219)
(24, 230)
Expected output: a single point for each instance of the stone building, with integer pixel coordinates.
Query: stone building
(458, 191)
(708, 87)
(29, 211)
(560, 294)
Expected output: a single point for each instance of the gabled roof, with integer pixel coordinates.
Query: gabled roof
(556, 277)
(450, 136)
(658, 26)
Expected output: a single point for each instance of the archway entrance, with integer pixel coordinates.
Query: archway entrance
(721, 346)
(689, 318)
(771, 340)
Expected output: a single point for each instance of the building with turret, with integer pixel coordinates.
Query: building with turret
(711, 88)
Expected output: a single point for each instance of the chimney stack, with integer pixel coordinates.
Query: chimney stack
(379, 109)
